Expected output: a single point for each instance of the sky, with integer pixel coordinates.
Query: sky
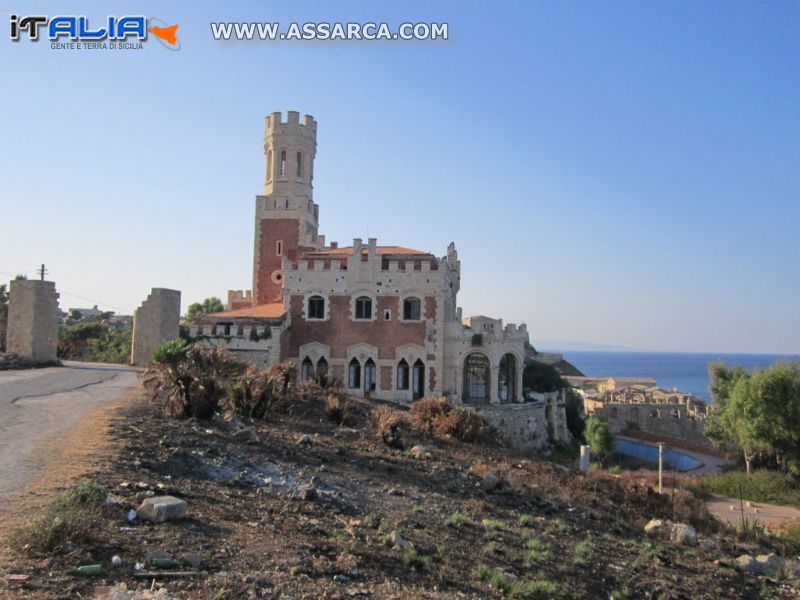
(620, 173)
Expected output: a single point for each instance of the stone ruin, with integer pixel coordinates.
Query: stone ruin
(156, 321)
(33, 320)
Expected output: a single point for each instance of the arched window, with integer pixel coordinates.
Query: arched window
(411, 309)
(418, 379)
(306, 369)
(507, 378)
(402, 375)
(363, 307)
(322, 371)
(354, 374)
(299, 170)
(476, 378)
(369, 375)
(316, 307)
(283, 164)
(269, 164)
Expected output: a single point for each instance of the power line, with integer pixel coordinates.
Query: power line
(63, 292)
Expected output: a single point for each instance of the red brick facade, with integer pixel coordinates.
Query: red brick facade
(340, 331)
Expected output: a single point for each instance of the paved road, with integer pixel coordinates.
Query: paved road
(38, 405)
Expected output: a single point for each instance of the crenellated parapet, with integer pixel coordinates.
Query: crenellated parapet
(278, 128)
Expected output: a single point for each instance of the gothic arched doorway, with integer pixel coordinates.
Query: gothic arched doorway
(476, 378)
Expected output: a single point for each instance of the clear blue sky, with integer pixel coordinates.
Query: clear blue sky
(615, 172)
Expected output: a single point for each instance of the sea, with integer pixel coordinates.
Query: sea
(685, 371)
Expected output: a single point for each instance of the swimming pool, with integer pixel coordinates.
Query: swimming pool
(648, 453)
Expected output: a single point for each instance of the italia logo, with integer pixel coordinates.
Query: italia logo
(128, 30)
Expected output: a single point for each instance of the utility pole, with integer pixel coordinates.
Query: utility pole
(42, 272)
(660, 467)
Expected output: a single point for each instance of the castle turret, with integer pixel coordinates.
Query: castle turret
(286, 216)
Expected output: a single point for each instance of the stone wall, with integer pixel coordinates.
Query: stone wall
(672, 420)
(524, 425)
(155, 322)
(33, 320)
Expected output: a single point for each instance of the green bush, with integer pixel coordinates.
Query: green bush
(760, 486)
(73, 516)
(456, 519)
(536, 589)
(82, 331)
(599, 437)
(191, 380)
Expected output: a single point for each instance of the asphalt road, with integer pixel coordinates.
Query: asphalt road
(38, 405)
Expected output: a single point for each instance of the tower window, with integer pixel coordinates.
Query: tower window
(363, 307)
(411, 309)
(299, 164)
(283, 163)
(316, 307)
(279, 248)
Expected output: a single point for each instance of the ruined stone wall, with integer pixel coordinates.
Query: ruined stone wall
(155, 322)
(557, 417)
(672, 420)
(33, 319)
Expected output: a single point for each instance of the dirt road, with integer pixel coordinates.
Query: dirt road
(39, 406)
(731, 511)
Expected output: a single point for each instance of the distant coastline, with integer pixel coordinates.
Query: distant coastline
(685, 371)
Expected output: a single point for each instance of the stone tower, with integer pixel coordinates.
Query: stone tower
(286, 216)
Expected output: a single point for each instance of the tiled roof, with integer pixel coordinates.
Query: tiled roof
(264, 311)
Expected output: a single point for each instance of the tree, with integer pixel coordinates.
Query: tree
(541, 378)
(209, 305)
(757, 415)
(599, 437)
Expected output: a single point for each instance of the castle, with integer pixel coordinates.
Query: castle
(384, 320)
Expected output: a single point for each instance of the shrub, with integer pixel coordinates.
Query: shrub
(439, 417)
(191, 379)
(171, 353)
(111, 347)
(467, 426)
(788, 536)
(310, 391)
(537, 550)
(583, 551)
(390, 424)
(340, 410)
(526, 521)
(493, 524)
(760, 486)
(599, 437)
(73, 516)
(282, 375)
(412, 560)
(536, 589)
(427, 413)
(456, 519)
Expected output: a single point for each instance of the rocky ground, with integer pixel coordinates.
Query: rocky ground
(297, 507)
